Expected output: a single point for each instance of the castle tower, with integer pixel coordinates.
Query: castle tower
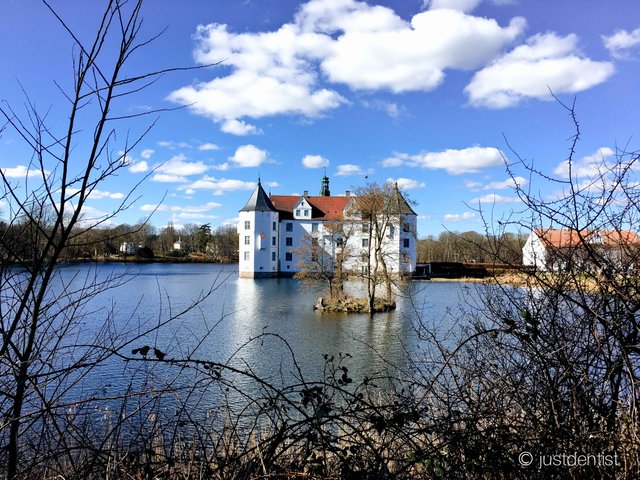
(324, 188)
(258, 233)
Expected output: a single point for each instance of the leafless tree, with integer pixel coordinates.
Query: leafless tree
(48, 211)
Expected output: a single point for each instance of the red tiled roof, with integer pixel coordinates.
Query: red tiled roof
(620, 237)
(564, 238)
(324, 208)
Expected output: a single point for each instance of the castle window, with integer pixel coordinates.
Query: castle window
(365, 242)
(392, 231)
(247, 225)
(289, 241)
(405, 243)
(247, 240)
(306, 213)
(246, 255)
(273, 256)
(273, 241)
(339, 242)
(289, 227)
(288, 256)
(298, 212)
(314, 227)
(406, 227)
(273, 226)
(365, 227)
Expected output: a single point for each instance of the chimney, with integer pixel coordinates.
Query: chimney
(347, 194)
(306, 193)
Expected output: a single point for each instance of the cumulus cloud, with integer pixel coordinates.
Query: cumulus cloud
(349, 169)
(407, 183)
(219, 186)
(147, 153)
(510, 182)
(22, 171)
(458, 217)
(546, 63)
(189, 209)
(462, 5)
(168, 178)
(206, 147)
(139, 167)
(176, 169)
(100, 194)
(171, 145)
(622, 43)
(494, 198)
(589, 166)
(346, 42)
(315, 161)
(455, 162)
(249, 156)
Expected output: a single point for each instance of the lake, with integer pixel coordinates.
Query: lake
(224, 326)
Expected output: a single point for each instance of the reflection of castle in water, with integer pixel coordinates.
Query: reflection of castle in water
(284, 307)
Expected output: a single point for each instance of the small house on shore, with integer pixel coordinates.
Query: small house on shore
(563, 249)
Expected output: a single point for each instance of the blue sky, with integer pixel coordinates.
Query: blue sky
(422, 92)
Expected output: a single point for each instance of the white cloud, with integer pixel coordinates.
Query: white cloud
(147, 153)
(139, 167)
(504, 184)
(494, 198)
(171, 145)
(589, 166)
(392, 109)
(239, 128)
(462, 5)
(413, 56)
(22, 171)
(458, 217)
(347, 42)
(206, 147)
(621, 43)
(455, 162)
(96, 194)
(407, 183)
(100, 194)
(223, 167)
(349, 169)
(547, 62)
(249, 156)
(315, 161)
(219, 186)
(191, 209)
(176, 169)
(168, 178)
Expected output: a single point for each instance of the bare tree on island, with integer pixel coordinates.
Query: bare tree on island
(365, 244)
(323, 257)
(48, 211)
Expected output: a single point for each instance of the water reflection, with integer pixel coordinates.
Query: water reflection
(230, 324)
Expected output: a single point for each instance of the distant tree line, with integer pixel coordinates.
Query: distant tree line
(471, 247)
(19, 241)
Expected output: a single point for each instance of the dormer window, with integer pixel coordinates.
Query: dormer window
(297, 212)
(306, 213)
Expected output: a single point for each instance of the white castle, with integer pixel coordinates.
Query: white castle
(272, 227)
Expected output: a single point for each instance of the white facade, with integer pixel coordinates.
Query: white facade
(258, 249)
(271, 229)
(534, 253)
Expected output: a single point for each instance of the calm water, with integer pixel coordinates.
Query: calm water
(224, 325)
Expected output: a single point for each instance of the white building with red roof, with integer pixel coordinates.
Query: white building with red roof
(271, 229)
(563, 249)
